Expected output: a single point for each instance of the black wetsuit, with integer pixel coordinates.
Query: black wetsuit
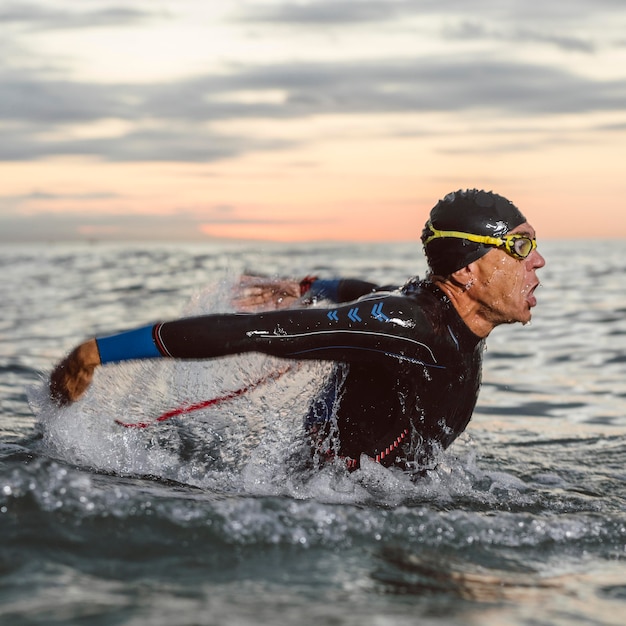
(407, 370)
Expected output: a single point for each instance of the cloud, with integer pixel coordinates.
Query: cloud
(177, 121)
(439, 84)
(342, 12)
(36, 17)
(28, 97)
(187, 143)
(373, 86)
(183, 225)
(180, 120)
(473, 30)
(324, 13)
(50, 196)
(73, 227)
(520, 22)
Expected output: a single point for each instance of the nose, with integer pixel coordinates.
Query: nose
(536, 260)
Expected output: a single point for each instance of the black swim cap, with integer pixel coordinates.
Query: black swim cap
(469, 211)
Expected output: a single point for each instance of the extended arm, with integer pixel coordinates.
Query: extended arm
(74, 374)
(254, 293)
(378, 327)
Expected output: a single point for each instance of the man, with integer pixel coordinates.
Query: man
(407, 362)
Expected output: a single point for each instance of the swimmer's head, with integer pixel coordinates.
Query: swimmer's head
(471, 211)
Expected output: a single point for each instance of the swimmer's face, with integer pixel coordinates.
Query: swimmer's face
(503, 286)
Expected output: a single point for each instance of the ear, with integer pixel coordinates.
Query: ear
(464, 277)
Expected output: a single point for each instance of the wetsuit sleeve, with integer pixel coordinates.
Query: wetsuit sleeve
(340, 289)
(133, 344)
(142, 343)
(376, 328)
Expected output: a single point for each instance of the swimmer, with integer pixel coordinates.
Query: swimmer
(407, 361)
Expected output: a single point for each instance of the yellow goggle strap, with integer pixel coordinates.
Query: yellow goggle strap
(456, 234)
(507, 241)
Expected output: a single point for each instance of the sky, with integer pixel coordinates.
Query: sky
(307, 120)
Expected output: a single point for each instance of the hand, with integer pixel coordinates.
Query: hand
(71, 377)
(254, 293)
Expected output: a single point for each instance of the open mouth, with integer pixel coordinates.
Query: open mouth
(530, 298)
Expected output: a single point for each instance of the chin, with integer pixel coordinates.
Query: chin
(523, 317)
(526, 318)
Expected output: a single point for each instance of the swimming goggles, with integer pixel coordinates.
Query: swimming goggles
(518, 246)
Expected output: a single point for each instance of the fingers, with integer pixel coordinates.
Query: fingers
(57, 386)
(256, 292)
(259, 285)
(72, 376)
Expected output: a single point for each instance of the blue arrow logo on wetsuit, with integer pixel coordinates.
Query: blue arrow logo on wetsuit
(353, 314)
(332, 315)
(377, 313)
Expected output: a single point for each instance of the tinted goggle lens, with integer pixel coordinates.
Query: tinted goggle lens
(520, 245)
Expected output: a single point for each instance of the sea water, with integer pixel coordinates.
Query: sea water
(210, 517)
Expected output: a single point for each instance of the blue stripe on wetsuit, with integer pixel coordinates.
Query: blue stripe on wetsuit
(325, 289)
(134, 344)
